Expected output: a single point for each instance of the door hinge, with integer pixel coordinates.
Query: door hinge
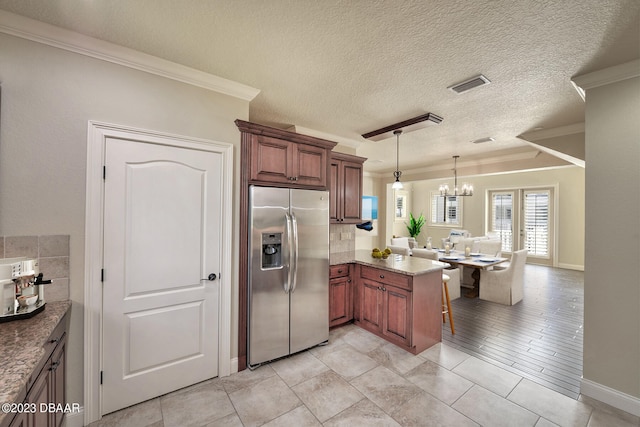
(102, 275)
(101, 377)
(104, 172)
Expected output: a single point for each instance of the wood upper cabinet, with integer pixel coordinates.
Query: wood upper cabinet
(345, 205)
(283, 159)
(403, 309)
(340, 295)
(275, 160)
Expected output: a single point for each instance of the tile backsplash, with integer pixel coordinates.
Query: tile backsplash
(342, 238)
(52, 252)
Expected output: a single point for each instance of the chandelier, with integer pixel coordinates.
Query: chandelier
(467, 189)
(397, 185)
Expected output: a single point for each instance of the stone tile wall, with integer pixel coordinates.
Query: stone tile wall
(52, 253)
(342, 238)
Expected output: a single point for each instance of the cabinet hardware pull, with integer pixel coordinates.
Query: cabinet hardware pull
(53, 341)
(382, 276)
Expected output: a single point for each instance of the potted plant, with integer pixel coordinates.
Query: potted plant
(415, 224)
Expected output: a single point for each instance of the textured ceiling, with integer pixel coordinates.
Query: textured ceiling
(349, 67)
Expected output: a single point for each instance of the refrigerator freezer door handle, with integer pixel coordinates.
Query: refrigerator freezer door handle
(289, 240)
(295, 253)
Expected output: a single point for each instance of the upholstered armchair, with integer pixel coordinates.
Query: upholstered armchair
(505, 286)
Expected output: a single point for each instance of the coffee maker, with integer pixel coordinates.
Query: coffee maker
(21, 286)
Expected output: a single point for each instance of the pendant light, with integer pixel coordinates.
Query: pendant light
(467, 189)
(397, 185)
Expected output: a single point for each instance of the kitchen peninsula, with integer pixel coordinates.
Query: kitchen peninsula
(398, 298)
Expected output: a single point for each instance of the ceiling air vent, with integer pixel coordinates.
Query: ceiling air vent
(467, 85)
(481, 140)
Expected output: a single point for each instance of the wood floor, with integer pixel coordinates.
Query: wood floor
(540, 338)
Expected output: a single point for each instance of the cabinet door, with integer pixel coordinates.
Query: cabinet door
(58, 383)
(20, 420)
(340, 301)
(310, 165)
(371, 297)
(40, 393)
(397, 314)
(271, 160)
(335, 192)
(351, 193)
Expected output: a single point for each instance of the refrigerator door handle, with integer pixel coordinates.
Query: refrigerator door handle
(289, 240)
(295, 253)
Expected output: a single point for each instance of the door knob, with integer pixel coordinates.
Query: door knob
(212, 277)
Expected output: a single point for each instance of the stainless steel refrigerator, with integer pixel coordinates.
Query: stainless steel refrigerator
(288, 271)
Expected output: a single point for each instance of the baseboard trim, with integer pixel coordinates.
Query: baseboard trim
(571, 267)
(75, 419)
(234, 365)
(615, 398)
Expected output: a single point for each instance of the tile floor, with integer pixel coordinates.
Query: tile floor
(361, 380)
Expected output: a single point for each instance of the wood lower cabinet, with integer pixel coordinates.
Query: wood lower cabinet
(340, 295)
(345, 205)
(403, 309)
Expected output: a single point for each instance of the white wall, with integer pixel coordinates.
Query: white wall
(612, 264)
(48, 96)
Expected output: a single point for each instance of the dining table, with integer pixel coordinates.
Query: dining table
(477, 261)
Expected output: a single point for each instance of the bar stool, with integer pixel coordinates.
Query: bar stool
(446, 306)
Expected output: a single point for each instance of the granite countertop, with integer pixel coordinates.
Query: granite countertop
(408, 265)
(22, 348)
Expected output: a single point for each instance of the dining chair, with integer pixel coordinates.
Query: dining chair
(490, 247)
(505, 286)
(401, 250)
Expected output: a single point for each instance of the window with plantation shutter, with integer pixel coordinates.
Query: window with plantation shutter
(446, 210)
(401, 206)
(536, 222)
(502, 218)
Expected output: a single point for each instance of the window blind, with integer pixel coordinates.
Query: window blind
(446, 210)
(536, 222)
(502, 218)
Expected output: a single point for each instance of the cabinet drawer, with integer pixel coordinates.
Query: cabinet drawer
(340, 270)
(387, 277)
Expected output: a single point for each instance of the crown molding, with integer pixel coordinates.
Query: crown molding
(511, 157)
(40, 32)
(607, 75)
(324, 135)
(553, 132)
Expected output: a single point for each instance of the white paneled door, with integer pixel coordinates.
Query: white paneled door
(162, 216)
